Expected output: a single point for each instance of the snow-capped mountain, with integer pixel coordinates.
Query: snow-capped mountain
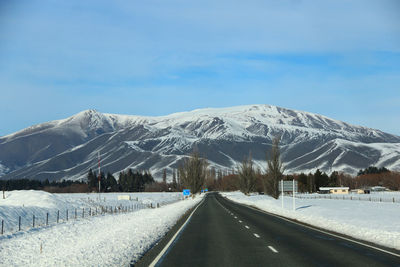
(67, 149)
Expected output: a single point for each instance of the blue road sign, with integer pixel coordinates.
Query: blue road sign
(186, 192)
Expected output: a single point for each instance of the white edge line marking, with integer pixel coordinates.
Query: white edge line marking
(155, 261)
(321, 231)
(273, 249)
(256, 235)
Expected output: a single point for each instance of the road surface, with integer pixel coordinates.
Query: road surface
(223, 233)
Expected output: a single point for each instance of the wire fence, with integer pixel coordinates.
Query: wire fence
(351, 197)
(30, 221)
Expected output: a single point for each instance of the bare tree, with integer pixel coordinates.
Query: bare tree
(275, 170)
(164, 176)
(247, 176)
(193, 172)
(174, 183)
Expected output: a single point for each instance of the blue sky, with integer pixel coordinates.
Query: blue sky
(337, 58)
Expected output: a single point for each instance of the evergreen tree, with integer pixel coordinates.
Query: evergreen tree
(321, 179)
(302, 180)
(134, 181)
(372, 170)
(92, 180)
(334, 179)
(111, 184)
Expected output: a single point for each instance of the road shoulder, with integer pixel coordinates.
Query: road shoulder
(388, 250)
(154, 250)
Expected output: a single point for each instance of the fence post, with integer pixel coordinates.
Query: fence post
(19, 223)
(58, 216)
(33, 221)
(83, 212)
(47, 218)
(90, 211)
(2, 226)
(75, 214)
(393, 200)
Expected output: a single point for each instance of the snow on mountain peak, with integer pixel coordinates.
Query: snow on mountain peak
(224, 135)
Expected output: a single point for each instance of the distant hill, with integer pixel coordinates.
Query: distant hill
(66, 149)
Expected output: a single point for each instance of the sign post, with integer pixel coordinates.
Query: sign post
(289, 186)
(294, 190)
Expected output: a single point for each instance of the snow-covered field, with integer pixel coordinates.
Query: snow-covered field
(392, 196)
(26, 203)
(105, 240)
(371, 221)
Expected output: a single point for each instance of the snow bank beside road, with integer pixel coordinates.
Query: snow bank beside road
(370, 221)
(100, 241)
(26, 203)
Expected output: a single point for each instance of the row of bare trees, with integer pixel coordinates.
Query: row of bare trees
(270, 180)
(194, 175)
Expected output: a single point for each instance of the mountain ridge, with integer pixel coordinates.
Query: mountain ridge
(224, 135)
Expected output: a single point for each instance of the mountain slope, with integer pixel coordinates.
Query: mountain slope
(66, 149)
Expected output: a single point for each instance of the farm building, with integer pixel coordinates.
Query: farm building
(362, 191)
(334, 190)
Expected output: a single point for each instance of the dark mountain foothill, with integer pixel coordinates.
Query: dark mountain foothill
(68, 148)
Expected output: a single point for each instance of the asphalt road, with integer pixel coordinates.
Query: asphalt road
(223, 233)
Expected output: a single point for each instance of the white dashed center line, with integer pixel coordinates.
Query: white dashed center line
(235, 217)
(256, 235)
(272, 249)
(247, 227)
(240, 221)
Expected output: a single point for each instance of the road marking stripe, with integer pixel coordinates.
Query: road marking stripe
(155, 261)
(256, 235)
(247, 227)
(273, 249)
(319, 230)
(240, 221)
(235, 217)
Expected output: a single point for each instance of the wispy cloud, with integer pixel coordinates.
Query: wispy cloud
(155, 57)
